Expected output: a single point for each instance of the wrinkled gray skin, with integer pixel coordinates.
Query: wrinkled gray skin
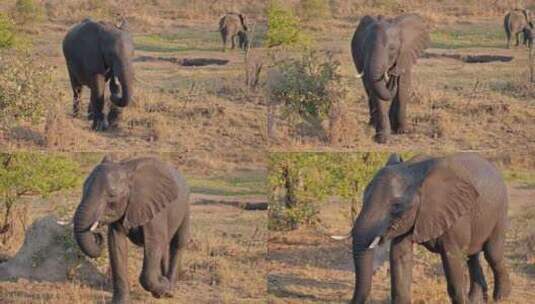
(98, 52)
(514, 23)
(384, 51)
(233, 26)
(455, 206)
(143, 200)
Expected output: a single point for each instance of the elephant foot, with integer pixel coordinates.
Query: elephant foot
(120, 299)
(478, 297)
(113, 118)
(99, 125)
(502, 289)
(157, 287)
(381, 138)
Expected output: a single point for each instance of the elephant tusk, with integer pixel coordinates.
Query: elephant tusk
(94, 226)
(116, 79)
(360, 75)
(341, 237)
(386, 77)
(375, 242)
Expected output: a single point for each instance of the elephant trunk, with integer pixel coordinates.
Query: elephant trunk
(84, 222)
(363, 275)
(367, 233)
(122, 69)
(377, 68)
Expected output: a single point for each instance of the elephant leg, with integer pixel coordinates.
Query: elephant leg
(97, 103)
(151, 277)
(478, 285)
(77, 93)
(494, 254)
(401, 270)
(517, 39)
(177, 247)
(118, 251)
(454, 268)
(114, 116)
(398, 109)
(224, 38)
(382, 122)
(233, 41)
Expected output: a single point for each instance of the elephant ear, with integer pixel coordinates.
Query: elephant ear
(359, 40)
(153, 187)
(444, 198)
(414, 38)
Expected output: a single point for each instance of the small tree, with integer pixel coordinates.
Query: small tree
(307, 87)
(27, 12)
(284, 27)
(31, 174)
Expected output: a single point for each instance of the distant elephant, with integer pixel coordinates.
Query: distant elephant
(98, 52)
(243, 40)
(384, 51)
(143, 200)
(455, 206)
(514, 23)
(232, 26)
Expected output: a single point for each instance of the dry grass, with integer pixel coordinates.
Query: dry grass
(306, 266)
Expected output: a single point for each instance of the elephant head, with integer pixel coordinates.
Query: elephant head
(118, 53)
(422, 197)
(383, 48)
(129, 192)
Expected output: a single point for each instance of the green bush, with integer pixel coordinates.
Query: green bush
(284, 27)
(311, 10)
(312, 178)
(25, 88)
(7, 32)
(28, 12)
(307, 88)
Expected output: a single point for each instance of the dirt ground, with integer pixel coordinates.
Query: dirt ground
(306, 266)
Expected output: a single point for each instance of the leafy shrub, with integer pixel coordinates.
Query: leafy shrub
(31, 173)
(308, 87)
(314, 9)
(284, 27)
(27, 12)
(7, 32)
(311, 178)
(25, 88)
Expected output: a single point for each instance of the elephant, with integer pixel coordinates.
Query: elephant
(514, 23)
(384, 51)
(454, 205)
(98, 52)
(232, 26)
(146, 201)
(243, 40)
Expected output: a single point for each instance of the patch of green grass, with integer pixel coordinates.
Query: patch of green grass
(182, 41)
(241, 183)
(524, 177)
(473, 36)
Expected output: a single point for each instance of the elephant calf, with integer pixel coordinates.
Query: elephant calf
(384, 51)
(98, 52)
(455, 206)
(143, 200)
(233, 26)
(514, 24)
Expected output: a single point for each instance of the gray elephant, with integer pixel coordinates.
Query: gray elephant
(514, 23)
(143, 200)
(455, 206)
(233, 26)
(98, 52)
(384, 51)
